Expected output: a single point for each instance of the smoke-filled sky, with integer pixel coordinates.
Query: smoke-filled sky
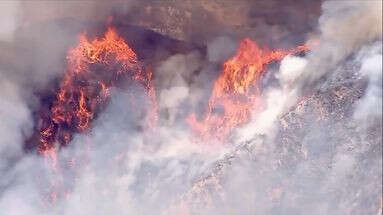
(315, 146)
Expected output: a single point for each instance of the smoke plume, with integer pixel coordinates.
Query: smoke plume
(313, 145)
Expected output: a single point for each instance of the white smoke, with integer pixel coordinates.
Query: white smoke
(322, 181)
(121, 170)
(16, 122)
(345, 26)
(338, 40)
(276, 99)
(8, 20)
(370, 106)
(175, 79)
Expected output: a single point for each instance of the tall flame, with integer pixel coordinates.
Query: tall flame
(93, 68)
(236, 91)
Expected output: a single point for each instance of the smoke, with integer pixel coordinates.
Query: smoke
(36, 36)
(338, 40)
(220, 49)
(369, 108)
(299, 162)
(123, 173)
(16, 120)
(277, 99)
(344, 28)
(177, 84)
(319, 153)
(8, 20)
(290, 159)
(16, 123)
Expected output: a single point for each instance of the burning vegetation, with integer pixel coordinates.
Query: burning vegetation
(237, 91)
(151, 114)
(93, 68)
(96, 66)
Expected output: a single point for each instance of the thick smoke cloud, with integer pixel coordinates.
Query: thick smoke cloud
(339, 171)
(339, 36)
(124, 173)
(338, 40)
(339, 161)
(36, 35)
(332, 167)
(370, 106)
(16, 123)
(177, 84)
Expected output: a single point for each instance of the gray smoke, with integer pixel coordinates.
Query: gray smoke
(287, 160)
(369, 107)
(345, 26)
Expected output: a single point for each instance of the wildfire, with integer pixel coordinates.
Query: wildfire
(93, 68)
(236, 91)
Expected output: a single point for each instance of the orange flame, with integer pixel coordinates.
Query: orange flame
(85, 89)
(93, 68)
(236, 92)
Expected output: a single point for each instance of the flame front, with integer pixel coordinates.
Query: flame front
(93, 68)
(236, 92)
